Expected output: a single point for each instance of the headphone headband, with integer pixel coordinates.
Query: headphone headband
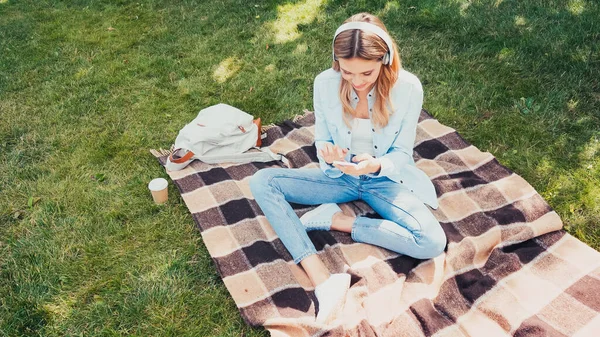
(369, 27)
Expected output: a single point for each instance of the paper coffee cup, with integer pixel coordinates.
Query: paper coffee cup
(159, 189)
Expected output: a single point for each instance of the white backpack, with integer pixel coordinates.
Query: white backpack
(220, 134)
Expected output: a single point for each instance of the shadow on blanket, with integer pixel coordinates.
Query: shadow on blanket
(508, 270)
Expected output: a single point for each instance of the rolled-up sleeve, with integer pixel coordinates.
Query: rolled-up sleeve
(322, 134)
(401, 150)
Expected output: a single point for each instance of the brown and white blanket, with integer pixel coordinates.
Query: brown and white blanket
(508, 270)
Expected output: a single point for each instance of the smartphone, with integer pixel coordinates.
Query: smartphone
(344, 163)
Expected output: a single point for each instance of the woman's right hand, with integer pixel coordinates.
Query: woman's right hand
(331, 153)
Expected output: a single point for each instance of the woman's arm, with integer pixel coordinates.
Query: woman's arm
(322, 134)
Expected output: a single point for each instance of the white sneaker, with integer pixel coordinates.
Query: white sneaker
(331, 295)
(320, 218)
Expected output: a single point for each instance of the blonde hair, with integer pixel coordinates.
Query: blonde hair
(366, 45)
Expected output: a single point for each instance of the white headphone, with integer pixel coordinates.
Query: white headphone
(369, 27)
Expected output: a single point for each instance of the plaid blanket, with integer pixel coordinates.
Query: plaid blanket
(508, 270)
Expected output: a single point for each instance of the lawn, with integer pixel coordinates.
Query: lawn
(88, 87)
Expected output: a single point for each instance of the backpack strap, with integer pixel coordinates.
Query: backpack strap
(180, 160)
(263, 155)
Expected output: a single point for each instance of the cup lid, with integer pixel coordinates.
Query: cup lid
(158, 184)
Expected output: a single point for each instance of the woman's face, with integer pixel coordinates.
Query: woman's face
(361, 73)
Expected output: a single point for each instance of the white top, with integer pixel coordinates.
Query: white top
(362, 137)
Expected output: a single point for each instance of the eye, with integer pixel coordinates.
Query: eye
(367, 74)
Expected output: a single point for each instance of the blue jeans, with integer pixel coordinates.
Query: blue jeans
(408, 227)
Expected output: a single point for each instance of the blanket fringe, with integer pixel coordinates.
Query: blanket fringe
(300, 116)
(162, 152)
(264, 128)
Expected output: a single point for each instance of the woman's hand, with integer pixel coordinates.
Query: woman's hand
(365, 164)
(331, 153)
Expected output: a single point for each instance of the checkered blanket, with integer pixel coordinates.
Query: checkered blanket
(508, 270)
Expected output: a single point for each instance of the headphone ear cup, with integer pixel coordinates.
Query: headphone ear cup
(386, 58)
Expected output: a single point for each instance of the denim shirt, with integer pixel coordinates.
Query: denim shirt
(392, 145)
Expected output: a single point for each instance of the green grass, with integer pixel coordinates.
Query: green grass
(87, 87)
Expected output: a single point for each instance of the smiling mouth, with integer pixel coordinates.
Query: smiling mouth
(359, 87)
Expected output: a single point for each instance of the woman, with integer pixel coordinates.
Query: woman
(366, 113)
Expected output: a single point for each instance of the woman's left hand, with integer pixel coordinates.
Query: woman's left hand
(365, 164)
